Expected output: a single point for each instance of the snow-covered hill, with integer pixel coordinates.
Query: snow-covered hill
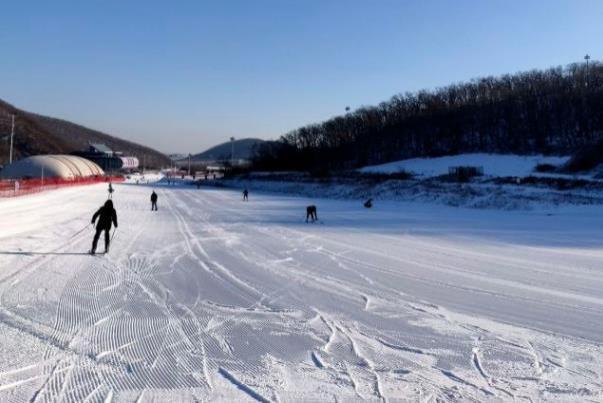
(493, 164)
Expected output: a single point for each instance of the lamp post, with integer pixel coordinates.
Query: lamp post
(12, 134)
(189, 164)
(587, 58)
(232, 140)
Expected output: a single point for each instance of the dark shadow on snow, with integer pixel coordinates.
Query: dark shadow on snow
(26, 253)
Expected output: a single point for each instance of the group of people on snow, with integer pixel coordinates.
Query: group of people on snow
(107, 216)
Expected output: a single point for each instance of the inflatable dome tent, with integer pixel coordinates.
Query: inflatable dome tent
(67, 167)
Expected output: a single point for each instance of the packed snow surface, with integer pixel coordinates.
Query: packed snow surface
(216, 299)
(493, 164)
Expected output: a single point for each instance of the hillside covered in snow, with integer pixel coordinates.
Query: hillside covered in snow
(492, 164)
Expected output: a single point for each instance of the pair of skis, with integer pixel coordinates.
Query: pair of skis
(110, 242)
(97, 253)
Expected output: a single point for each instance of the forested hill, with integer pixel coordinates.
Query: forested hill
(37, 134)
(555, 111)
(242, 148)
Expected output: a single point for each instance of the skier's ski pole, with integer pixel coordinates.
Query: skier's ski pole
(112, 235)
(80, 231)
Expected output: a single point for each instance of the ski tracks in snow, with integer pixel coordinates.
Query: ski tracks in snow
(214, 299)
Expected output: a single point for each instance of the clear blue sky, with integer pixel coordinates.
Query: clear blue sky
(183, 75)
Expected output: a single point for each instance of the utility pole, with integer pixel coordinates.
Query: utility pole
(189, 164)
(12, 134)
(232, 140)
(587, 58)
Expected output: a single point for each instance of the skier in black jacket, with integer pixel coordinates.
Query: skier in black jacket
(106, 216)
(153, 201)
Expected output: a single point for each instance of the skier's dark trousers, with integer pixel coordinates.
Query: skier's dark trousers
(153, 201)
(106, 216)
(311, 213)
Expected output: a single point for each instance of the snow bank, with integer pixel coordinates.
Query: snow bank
(146, 178)
(493, 164)
(482, 194)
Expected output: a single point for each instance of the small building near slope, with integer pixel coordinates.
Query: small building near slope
(109, 160)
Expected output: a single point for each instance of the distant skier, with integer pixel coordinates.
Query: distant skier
(368, 203)
(311, 213)
(106, 216)
(245, 195)
(110, 191)
(153, 201)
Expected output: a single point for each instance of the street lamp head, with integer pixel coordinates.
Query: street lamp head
(587, 57)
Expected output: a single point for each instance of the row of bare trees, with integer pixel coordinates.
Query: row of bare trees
(554, 111)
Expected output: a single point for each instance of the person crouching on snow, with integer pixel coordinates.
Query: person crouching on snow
(311, 213)
(106, 216)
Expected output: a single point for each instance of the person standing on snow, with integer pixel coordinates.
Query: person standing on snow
(106, 216)
(110, 191)
(245, 195)
(153, 201)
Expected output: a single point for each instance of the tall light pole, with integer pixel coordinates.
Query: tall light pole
(232, 140)
(189, 164)
(587, 58)
(12, 134)
(586, 105)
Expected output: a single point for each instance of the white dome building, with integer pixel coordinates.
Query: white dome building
(67, 167)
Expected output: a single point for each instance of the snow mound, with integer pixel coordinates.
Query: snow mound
(146, 178)
(493, 164)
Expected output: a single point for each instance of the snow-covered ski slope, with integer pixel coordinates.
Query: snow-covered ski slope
(216, 299)
(492, 164)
